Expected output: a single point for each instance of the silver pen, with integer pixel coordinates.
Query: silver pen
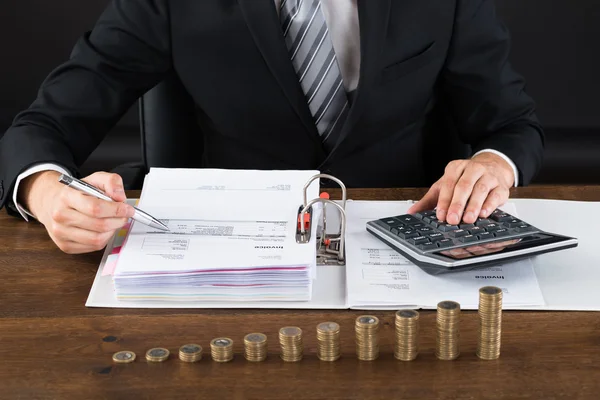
(140, 216)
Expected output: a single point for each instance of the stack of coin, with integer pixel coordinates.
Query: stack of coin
(157, 354)
(367, 337)
(490, 322)
(407, 335)
(124, 357)
(255, 347)
(221, 349)
(328, 338)
(448, 333)
(190, 353)
(290, 339)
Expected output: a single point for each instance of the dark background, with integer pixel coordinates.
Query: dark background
(556, 46)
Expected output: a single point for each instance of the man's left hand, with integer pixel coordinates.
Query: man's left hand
(469, 189)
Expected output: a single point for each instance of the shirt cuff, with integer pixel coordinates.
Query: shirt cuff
(505, 158)
(28, 172)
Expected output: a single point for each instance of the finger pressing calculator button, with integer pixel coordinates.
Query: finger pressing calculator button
(445, 243)
(501, 232)
(468, 239)
(448, 227)
(501, 217)
(428, 246)
(483, 222)
(458, 233)
(418, 240)
(407, 234)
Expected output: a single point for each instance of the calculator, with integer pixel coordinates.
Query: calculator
(438, 247)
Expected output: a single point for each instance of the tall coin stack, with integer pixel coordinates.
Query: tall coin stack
(490, 322)
(290, 339)
(190, 353)
(255, 347)
(328, 339)
(367, 337)
(221, 349)
(407, 335)
(448, 333)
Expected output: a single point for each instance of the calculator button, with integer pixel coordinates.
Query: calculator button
(501, 217)
(458, 233)
(398, 229)
(435, 223)
(492, 227)
(425, 231)
(436, 236)
(468, 239)
(417, 226)
(407, 234)
(447, 227)
(501, 232)
(389, 223)
(408, 219)
(483, 222)
(466, 226)
(445, 243)
(513, 223)
(427, 246)
(524, 228)
(418, 240)
(485, 235)
(476, 230)
(430, 218)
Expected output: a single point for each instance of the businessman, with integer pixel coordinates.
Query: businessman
(355, 88)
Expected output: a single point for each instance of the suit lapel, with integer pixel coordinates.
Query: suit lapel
(263, 22)
(373, 18)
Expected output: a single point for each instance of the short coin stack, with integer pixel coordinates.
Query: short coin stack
(490, 323)
(328, 338)
(221, 349)
(255, 347)
(290, 339)
(367, 337)
(157, 354)
(190, 353)
(448, 333)
(407, 335)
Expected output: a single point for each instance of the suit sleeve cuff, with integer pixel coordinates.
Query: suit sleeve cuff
(505, 158)
(28, 172)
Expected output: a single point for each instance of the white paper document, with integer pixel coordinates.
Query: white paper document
(232, 238)
(379, 277)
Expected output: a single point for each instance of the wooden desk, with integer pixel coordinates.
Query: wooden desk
(52, 346)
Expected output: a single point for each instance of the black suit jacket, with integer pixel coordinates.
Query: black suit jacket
(427, 67)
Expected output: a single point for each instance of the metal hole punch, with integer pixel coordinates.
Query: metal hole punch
(330, 247)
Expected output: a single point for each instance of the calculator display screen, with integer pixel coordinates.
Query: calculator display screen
(501, 246)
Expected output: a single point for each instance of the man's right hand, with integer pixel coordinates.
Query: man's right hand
(76, 222)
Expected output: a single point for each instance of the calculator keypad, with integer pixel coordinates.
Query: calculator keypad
(425, 232)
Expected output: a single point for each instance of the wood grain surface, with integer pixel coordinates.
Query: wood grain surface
(52, 346)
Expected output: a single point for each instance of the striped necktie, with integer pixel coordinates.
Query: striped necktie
(311, 51)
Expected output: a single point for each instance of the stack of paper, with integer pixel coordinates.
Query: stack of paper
(232, 238)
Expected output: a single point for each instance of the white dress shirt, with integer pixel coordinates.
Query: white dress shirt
(342, 22)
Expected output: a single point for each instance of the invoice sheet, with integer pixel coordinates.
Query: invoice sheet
(380, 277)
(219, 219)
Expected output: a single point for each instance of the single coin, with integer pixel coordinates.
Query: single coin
(491, 290)
(157, 354)
(328, 327)
(407, 313)
(255, 337)
(368, 320)
(221, 342)
(290, 331)
(124, 357)
(190, 348)
(448, 305)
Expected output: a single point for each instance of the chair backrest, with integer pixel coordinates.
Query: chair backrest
(170, 134)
